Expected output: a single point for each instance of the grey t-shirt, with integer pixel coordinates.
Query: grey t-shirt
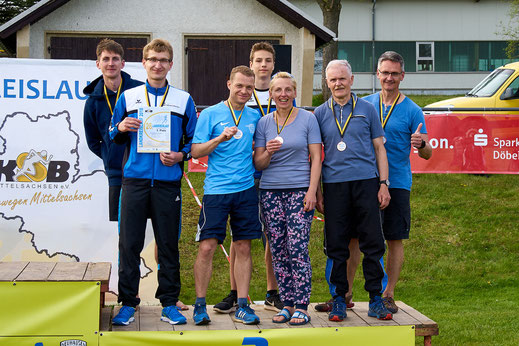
(290, 166)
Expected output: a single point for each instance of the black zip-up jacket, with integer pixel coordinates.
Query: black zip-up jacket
(97, 117)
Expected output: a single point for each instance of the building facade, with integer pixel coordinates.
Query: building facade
(71, 29)
(448, 45)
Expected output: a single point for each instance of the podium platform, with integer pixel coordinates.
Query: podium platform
(48, 303)
(147, 318)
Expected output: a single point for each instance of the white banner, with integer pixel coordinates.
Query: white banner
(53, 190)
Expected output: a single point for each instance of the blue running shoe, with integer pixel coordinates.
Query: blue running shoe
(378, 309)
(246, 315)
(124, 317)
(171, 315)
(200, 315)
(338, 312)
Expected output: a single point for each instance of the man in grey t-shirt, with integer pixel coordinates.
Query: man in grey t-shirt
(354, 176)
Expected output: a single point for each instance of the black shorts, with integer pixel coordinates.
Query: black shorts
(397, 216)
(114, 192)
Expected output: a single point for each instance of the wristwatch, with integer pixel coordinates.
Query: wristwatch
(385, 182)
(186, 156)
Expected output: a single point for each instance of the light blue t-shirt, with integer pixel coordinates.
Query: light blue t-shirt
(230, 168)
(357, 161)
(289, 167)
(402, 123)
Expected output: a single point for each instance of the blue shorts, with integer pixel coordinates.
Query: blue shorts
(242, 207)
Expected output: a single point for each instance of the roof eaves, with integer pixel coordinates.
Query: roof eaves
(30, 16)
(299, 18)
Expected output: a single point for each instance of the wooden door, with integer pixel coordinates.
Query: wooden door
(210, 62)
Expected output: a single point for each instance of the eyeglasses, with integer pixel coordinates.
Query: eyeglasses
(392, 74)
(155, 60)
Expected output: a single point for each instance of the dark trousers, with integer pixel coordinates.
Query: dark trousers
(161, 202)
(351, 208)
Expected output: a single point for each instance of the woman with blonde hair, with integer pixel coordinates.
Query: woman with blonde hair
(284, 141)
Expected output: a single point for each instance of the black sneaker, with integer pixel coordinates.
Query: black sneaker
(273, 302)
(228, 304)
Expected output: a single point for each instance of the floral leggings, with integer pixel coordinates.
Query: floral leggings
(288, 229)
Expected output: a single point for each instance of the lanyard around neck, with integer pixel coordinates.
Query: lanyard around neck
(342, 129)
(259, 104)
(285, 122)
(236, 121)
(116, 98)
(382, 120)
(163, 97)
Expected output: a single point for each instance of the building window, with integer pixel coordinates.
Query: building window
(83, 47)
(467, 56)
(424, 56)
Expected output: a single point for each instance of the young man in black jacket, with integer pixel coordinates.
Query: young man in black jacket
(103, 93)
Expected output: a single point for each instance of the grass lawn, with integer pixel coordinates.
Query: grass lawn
(462, 261)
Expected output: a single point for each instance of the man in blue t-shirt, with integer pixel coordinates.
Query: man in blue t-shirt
(262, 58)
(404, 125)
(355, 187)
(225, 132)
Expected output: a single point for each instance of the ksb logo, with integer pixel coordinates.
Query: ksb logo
(34, 166)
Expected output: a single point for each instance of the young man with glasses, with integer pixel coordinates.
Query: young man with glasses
(151, 179)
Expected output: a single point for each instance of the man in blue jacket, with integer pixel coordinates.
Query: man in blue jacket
(151, 180)
(103, 93)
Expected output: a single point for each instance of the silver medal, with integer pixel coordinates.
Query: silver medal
(279, 139)
(238, 134)
(341, 146)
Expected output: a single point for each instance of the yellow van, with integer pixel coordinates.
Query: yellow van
(495, 94)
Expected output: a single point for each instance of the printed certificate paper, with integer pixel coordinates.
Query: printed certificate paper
(154, 135)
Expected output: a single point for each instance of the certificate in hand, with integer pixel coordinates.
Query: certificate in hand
(154, 135)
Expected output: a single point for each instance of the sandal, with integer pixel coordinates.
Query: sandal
(299, 315)
(349, 301)
(285, 314)
(181, 306)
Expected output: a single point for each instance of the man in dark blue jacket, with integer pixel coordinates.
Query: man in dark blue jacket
(103, 93)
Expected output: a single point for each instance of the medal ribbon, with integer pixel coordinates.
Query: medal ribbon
(163, 97)
(382, 120)
(259, 104)
(116, 98)
(286, 120)
(236, 121)
(343, 129)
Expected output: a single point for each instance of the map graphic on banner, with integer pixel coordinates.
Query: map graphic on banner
(54, 193)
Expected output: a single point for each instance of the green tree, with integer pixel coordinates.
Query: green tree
(11, 8)
(331, 12)
(510, 30)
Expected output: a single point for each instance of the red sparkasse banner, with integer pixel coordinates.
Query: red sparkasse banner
(462, 143)
(470, 143)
